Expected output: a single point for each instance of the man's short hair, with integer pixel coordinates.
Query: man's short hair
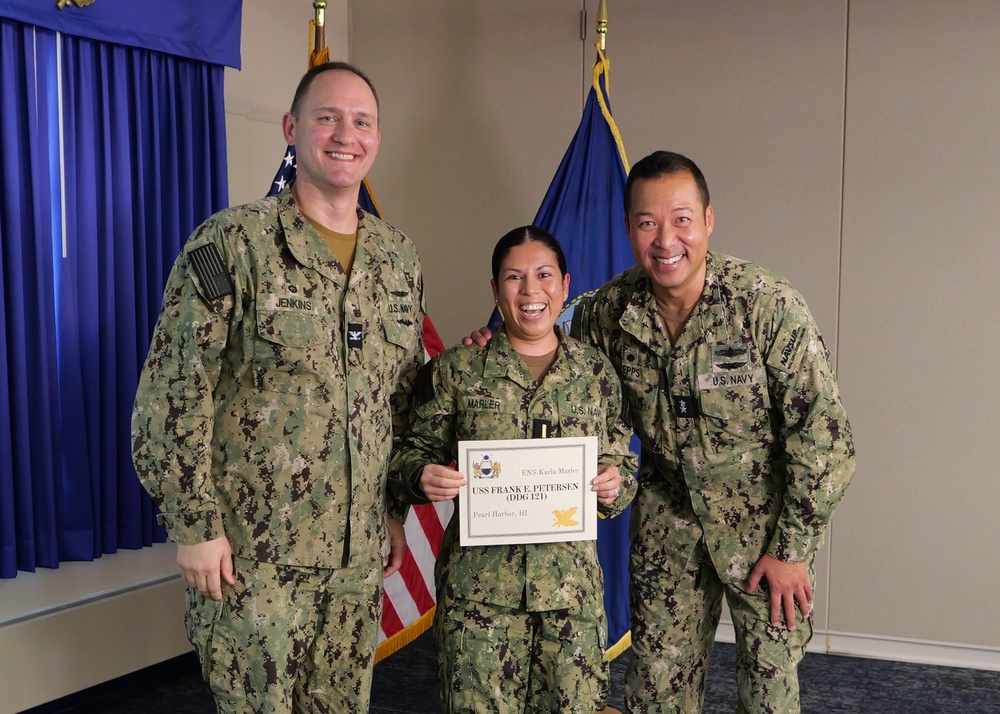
(665, 163)
(308, 77)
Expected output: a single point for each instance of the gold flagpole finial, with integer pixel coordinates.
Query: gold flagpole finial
(602, 24)
(319, 40)
(320, 54)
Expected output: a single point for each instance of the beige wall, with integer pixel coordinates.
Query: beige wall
(917, 542)
(479, 102)
(86, 623)
(851, 146)
(754, 93)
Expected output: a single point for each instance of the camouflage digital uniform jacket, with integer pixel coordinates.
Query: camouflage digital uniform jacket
(468, 393)
(267, 403)
(744, 438)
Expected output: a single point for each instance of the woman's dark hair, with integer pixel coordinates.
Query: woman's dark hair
(522, 235)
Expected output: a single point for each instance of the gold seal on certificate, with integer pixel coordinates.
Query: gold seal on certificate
(527, 491)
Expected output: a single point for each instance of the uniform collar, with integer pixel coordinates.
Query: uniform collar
(502, 360)
(707, 322)
(639, 316)
(309, 248)
(713, 324)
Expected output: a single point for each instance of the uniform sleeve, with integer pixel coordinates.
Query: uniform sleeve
(586, 328)
(616, 450)
(814, 431)
(173, 415)
(429, 437)
(401, 401)
(584, 324)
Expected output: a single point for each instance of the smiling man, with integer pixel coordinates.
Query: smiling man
(746, 448)
(281, 364)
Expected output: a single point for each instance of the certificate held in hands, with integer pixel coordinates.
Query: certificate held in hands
(527, 491)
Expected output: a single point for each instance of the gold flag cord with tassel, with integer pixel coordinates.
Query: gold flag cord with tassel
(602, 68)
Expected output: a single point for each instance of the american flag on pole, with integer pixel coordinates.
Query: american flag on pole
(409, 601)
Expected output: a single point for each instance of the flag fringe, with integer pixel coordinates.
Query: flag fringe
(620, 646)
(408, 634)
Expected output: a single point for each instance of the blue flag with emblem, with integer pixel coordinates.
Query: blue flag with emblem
(584, 209)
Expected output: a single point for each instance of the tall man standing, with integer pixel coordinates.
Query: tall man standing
(280, 365)
(746, 448)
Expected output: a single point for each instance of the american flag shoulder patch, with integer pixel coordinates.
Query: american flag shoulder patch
(211, 272)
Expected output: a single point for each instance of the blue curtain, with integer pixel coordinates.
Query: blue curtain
(108, 165)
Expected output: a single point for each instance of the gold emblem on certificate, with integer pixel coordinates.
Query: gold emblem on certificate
(527, 491)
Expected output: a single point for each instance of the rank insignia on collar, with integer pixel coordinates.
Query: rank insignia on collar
(541, 429)
(355, 334)
(685, 407)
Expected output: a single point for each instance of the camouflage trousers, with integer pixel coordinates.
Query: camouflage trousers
(675, 610)
(288, 638)
(509, 661)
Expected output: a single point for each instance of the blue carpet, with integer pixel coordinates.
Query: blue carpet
(405, 684)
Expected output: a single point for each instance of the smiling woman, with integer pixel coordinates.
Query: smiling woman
(519, 627)
(530, 285)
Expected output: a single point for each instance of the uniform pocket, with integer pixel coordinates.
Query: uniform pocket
(293, 351)
(736, 417)
(400, 339)
(580, 415)
(207, 626)
(400, 333)
(488, 422)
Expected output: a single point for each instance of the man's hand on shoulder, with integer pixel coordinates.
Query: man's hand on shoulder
(206, 565)
(480, 337)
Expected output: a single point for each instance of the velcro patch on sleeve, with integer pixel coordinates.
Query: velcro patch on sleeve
(211, 272)
(423, 386)
(789, 349)
(626, 415)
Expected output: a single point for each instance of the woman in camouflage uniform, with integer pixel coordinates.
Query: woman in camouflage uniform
(519, 627)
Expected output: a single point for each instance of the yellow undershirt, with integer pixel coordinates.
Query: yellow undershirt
(539, 364)
(343, 245)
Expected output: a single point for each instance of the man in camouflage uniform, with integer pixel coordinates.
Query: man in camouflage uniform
(490, 598)
(281, 363)
(746, 448)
